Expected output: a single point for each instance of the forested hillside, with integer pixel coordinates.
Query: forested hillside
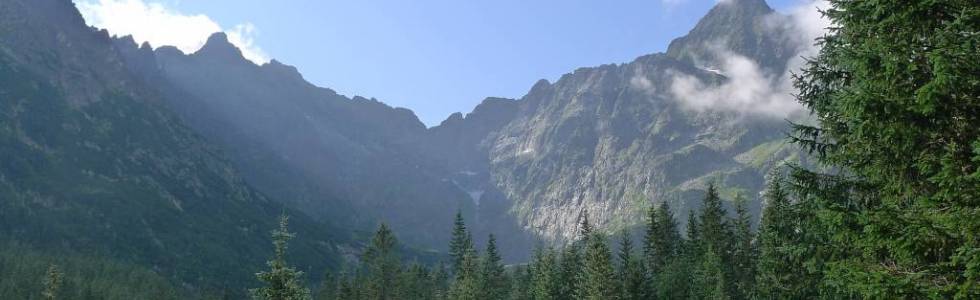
(112, 188)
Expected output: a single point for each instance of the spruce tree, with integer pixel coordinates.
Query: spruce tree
(493, 277)
(662, 242)
(545, 279)
(632, 275)
(571, 266)
(744, 254)
(777, 276)
(383, 265)
(282, 282)
(460, 243)
(596, 280)
(708, 280)
(520, 288)
(440, 282)
(895, 90)
(415, 283)
(52, 283)
(466, 286)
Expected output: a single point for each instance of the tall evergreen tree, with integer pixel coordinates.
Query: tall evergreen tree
(440, 282)
(895, 89)
(778, 276)
(633, 280)
(52, 283)
(466, 286)
(383, 265)
(520, 288)
(493, 277)
(545, 275)
(662, 242)
(415, 283)
(282, 282)
(596, 280)
(571, 266)
(744, 251)
(460, 243)
(709, 280)
(709, 250)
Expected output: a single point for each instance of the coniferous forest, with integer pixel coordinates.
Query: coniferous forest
(888, 207)
(896, 91)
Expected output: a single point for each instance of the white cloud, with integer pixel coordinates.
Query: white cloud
(748, 89)
(160, 25)
(641, 83)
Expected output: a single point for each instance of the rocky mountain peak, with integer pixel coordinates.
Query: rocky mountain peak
(734, 27)
(219, 48)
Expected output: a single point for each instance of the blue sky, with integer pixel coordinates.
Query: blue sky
(436, 57)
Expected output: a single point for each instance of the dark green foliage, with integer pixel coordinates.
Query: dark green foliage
(493, 278)
(596, 280)
(282, 282)
(779, 276)
(571, 266)
(546, 280)
(744, 251)
(26, 273)
(896, 92)
(634, 283)
(663, 242)
(383, 265)
(416, 283)
(466, 286)
(460, 243)
(521, 283)
(440, 282)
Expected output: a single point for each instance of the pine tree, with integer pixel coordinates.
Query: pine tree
(585, 228)
(709, 280)
(52, 283)
(662, 242)
(383, 265)
(282, 282)
(520, 288)
(415, 283)
(347, 288)
(708, 251)
(744, 254)
(571, 266)
(440, 282)
(596, 280)
(466, 286)
(634, 284)
(493, 277)
(545, 277)
(460, 243)
(662, 248)
(778, 276)
(894, 89)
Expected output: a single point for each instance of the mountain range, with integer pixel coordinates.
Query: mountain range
(179, 162)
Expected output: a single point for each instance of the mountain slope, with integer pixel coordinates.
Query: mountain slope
(96, 164)
(610, 141)
(343, 160)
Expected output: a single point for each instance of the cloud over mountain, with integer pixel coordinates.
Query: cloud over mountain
(748, 88)
(159, 25)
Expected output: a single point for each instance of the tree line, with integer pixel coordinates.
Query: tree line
(892, 212)
(718, 257)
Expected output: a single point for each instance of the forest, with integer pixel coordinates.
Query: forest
(895, 90)
(890, 210)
